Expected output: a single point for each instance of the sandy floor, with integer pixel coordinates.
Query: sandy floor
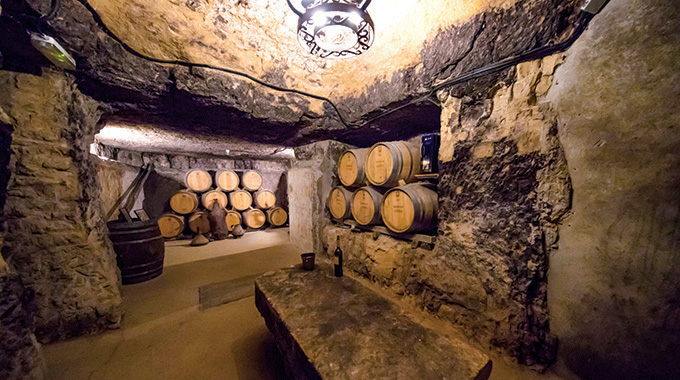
(180, 252)
(165, 336)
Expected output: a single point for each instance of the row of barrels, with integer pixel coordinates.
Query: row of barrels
(200, 181)
(186, 201)
(385, 164)
(409, 208)
(379, 188)
(172, 225)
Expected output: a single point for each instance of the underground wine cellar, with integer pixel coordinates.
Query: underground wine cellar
(339, 189)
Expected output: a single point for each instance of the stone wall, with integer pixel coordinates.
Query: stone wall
(614, 288)
(310, 179)
(56, 239)
(504, 187)
(20, 356)
(118, 168)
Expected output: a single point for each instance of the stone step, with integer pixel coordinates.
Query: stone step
(336, 328)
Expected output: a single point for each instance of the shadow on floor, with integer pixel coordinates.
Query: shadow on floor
(268, 363)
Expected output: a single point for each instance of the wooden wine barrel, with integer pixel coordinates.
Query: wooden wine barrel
(199, 220)
(410, 208)
(208, 198)
(198, 180)
(227, 180)
(251, 180)
(389, 162)
(184, 202)
(233, 219)
(366, 203)
(276, 216)
(240, 200)
(351, 167)
(339, 202)
(254, 218)
(264, 199)
(171, 225)
(139, 248)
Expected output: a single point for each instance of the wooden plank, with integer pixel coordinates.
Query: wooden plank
(422, 238)
(428, 176)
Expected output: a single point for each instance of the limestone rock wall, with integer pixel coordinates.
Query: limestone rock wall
(503, 190)
(118, 168)
(20, 356)
(310, 179)
(56, 240)
(614, 289)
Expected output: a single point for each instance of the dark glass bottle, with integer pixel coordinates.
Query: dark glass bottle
(338, 258)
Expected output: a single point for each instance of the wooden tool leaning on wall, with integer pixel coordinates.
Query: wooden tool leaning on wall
(131, 193)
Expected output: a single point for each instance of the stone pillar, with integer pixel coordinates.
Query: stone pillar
(20, 357)
(310, 179)
(56, 239)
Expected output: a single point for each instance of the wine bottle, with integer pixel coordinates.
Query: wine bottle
(338, 258)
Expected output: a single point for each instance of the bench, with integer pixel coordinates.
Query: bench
(336, 328)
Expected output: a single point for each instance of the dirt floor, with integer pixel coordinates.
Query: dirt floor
(165, 335)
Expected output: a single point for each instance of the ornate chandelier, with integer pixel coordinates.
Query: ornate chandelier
(334, 28)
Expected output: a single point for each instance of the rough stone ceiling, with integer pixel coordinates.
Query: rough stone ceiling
(258, 37)
(417, 43)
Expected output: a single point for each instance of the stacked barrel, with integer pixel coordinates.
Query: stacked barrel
(242, 196)
(379, 186)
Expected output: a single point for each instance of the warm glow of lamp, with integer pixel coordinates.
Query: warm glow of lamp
(334, 28)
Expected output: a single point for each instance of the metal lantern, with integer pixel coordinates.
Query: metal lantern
(334, 28)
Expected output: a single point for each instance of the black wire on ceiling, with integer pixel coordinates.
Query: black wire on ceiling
(501, 65)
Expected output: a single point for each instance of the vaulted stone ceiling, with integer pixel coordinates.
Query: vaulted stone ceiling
(417, 44)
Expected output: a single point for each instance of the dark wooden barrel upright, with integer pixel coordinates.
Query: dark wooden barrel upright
(139, 249)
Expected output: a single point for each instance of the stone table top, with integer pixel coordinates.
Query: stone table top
(341, 329)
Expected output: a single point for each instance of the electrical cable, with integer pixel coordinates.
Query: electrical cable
(506, 63)
(53, 10)
(501, 65)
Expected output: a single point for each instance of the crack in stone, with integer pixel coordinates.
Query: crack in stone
(445, 72)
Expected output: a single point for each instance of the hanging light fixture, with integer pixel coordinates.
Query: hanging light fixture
(334, 28)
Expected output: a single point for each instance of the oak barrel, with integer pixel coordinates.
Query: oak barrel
(410, 208)
(351, 167)
(233, 219)
(171, 225)
(199, 220)
(366, 203)
(339, 201)
(140, 249)
(251, 180)
(184, 202)
(254, 218)
(240, 200)
(264, 199)
(209, 197)
(276, 216)
(227, 180)
(198, 180)
(389, 162)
